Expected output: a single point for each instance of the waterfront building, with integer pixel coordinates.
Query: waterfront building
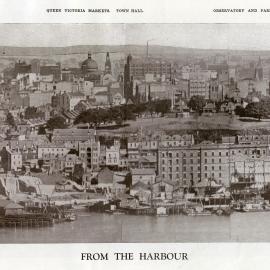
(163, 189)
(141, 191)
(8, 207)
(207, 160)
(147, 176)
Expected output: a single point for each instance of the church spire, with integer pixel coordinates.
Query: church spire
(108, 67)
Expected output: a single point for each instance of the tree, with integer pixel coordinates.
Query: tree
(73, 152)
(56, 122)
(41, 130)
(239, 110)
(162, 106)
(78, 173)
(197, 103)
(10, 120)
(40, 163)
(32, 112)
(128, 180)
(256, 109)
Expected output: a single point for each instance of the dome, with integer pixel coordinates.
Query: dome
(89, 64)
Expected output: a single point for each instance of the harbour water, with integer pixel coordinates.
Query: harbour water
(94, 228)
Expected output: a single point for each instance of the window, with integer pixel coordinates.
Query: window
(184, 175)
(184, 161)
(191, 168)
(205, 154)
(213, 161)
(226, 153)
(220, 160)
(205, 167)
(205, 161)
(184, 168)
(220, 175)
(220, 168)
(205, 175)
(191, 161)
(191, 154)
(213, 168)
(184, 154)
(213, 154)
(219, 154)
(199, 161)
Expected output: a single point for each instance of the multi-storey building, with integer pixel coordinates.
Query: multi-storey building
(72, 136)
(52, 149)
(89, 152)
(158, 67)
(11, 160)
(198, 88)
(203, 161)
(113, 154)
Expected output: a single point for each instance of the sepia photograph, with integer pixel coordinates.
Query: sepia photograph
(134, 133)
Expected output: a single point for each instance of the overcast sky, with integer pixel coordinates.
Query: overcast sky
(214, 36)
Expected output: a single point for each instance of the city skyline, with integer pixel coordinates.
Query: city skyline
(215, 36)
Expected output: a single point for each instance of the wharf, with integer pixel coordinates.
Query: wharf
(140, 211)
(26, 220)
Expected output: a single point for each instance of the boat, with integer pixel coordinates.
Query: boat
(70, 217)
(196, 211)
(252, 206)
(115, 212)
(161, 212)
(222, 211)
